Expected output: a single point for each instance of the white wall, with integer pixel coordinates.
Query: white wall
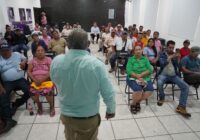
(16, 4)
(174, 19)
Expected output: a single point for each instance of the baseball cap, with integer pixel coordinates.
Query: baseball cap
(4, 45)
(34, 34)
(195, 49)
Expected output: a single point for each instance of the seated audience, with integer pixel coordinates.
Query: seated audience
(139, 79)
(12, 76)
(45, 37)
(141, 29)
(104, 34)
(185, 50)
(190, 66)
(57, 43)
(110, 26)
(169, 72)
(150, 52)
(36, 42)
(144, 38)
(139, 42)
(109, 45)
(9, 35)
(119, 30)
(95, 32)
(66, 30)
(123, 44)
(149, 33)
(157, 42)
(20, 42)
(38, 71)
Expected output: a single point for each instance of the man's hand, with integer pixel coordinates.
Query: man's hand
(109, 115)
(22, 65)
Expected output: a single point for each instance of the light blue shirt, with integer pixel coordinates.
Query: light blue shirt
(10, 68)
(95, 30)
(80, 78)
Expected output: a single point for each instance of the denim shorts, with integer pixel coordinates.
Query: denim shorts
(136, 87)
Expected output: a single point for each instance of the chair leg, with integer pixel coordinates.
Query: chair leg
(197, 93)
(146, 101)
(173, 90)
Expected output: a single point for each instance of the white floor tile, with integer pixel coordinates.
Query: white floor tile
(120, 99)
(45, 117)
(144, 112)
(198, 133)
(165, 137)
(122, 112)
(61, 135)
(185, 136)
(124, 129)
(43, 132)
(19, 132)
(174, 124)
(105, 131)
(150, 127)
(193, 122)
(23, 117)
(162, 110)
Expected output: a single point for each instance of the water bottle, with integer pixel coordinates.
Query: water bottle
(30, 109)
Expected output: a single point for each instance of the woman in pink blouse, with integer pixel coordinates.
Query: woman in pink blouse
(38, 71)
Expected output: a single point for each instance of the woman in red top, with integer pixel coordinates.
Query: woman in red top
(185, 51)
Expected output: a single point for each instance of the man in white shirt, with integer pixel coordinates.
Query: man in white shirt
(122, 44)
(95, 31)
(109, 44)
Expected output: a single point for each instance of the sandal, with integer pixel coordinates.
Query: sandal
(133, 109)
(52, 112)
(138, 108)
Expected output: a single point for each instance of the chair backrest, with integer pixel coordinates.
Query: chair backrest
(50, 54)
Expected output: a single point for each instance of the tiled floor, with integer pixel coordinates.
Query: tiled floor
(152, 123)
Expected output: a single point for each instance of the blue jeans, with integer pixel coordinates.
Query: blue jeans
(20, 84)
(21, 48)
(162, 79)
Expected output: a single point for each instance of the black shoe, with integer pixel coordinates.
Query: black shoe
(9, 125)
(160, 102)
(133, 109)
(138, 108)
(14, 109)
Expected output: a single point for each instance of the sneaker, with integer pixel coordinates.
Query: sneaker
(160, 102)
(14, 109)
(181, 110)
(9, 125)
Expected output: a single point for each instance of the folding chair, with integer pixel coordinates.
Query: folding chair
(129, 93)
(120, 56)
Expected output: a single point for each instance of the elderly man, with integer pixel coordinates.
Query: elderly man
(190, 66)
(169, 72)
(12, 76)
(80, 78)
(57, 44)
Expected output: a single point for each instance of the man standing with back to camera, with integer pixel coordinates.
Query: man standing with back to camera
(80, 78)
